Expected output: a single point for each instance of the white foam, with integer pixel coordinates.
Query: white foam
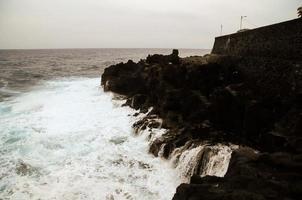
(202, 160)
(68, 140)
(188, 162)
(217, 160)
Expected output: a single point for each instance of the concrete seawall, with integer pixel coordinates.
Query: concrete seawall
(282, 40)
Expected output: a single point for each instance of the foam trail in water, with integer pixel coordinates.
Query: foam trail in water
(67, 140)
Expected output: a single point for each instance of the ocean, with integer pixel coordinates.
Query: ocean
(62, 137)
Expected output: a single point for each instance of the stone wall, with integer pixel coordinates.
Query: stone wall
(282, 40)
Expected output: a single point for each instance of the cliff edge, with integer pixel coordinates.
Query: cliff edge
(254, 103)
(245, 100)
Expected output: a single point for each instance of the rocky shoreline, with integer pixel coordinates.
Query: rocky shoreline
(239, 113)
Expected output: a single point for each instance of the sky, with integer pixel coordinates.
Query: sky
(41, 24)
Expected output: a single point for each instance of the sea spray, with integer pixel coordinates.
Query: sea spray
(202, 159)
(69, 140)
(194, 157)
(216, 160)
(188, 162)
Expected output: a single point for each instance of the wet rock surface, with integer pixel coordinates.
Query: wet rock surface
(250, 176)
(248, 101)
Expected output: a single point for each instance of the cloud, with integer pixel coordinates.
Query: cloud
(131, 23)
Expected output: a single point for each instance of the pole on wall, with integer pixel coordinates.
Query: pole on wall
(241, 21)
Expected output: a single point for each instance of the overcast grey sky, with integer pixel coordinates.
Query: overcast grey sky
(132, 23)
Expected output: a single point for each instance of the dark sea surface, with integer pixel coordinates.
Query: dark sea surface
(20, 69)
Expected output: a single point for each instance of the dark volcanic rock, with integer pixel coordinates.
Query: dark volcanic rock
(123, 78)
(161, 59)
(250, 176)
(254, 102)
(247, 101)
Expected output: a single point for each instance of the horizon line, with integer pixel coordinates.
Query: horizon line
(65, 48)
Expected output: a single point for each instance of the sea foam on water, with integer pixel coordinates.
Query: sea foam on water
(68, 140)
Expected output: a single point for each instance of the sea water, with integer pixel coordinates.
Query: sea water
(62, 137)
(67, 139)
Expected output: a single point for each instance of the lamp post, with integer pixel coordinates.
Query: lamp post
(241, 20)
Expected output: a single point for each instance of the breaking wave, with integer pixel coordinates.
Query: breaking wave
(67, 139)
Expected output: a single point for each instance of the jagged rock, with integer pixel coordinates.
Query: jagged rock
(155, 147)
(236, 96)
(123, 79)
(250, 176)
(154, 124)
(248, 101)
(137, 101)
(161, 59)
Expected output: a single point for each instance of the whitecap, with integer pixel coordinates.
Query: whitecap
(76, 143)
